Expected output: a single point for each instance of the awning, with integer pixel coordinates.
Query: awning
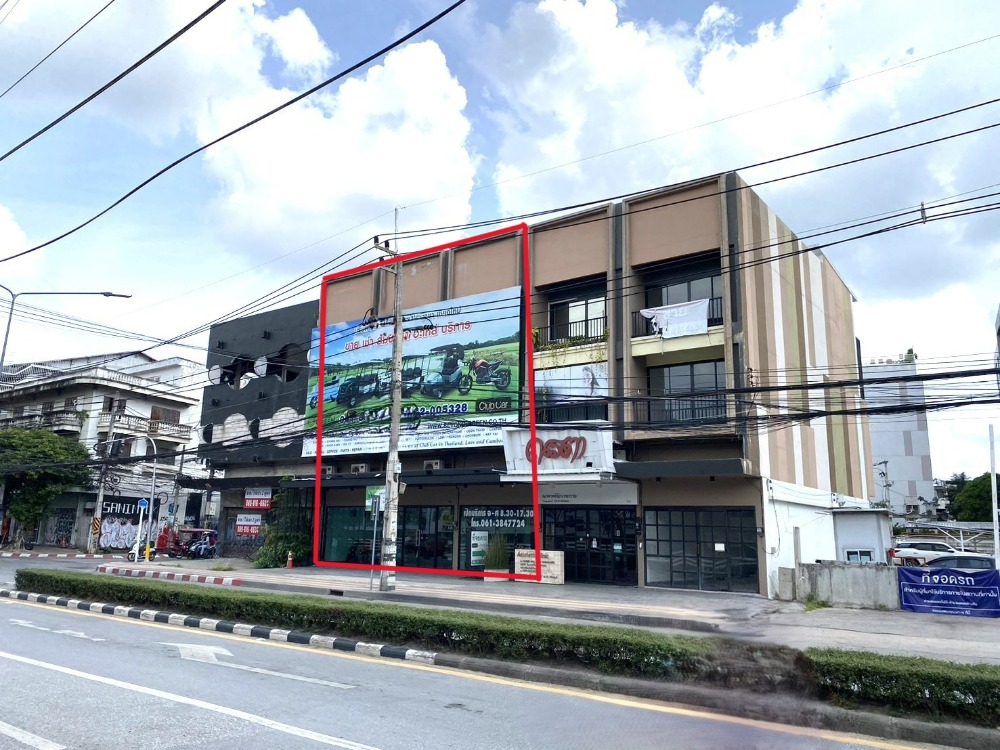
(227, 483)
(710, 467)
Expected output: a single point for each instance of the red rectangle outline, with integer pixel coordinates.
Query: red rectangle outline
(529, 382)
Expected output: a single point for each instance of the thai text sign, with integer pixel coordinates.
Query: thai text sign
(460, 377)
(564, 451)
(257, 498)
(248, 524)
(553, 565)
(943, 591)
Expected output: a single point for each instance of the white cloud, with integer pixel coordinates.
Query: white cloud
(296, 41)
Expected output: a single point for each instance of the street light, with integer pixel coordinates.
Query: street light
(13, 298)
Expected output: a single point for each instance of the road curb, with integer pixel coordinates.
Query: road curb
(61, 555)
(778, 708)
(401, 597)
(167, 575)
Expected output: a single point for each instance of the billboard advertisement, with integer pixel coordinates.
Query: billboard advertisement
(460, 377)
(573, 383)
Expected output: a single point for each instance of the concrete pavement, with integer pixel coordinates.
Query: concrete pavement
(740, 616)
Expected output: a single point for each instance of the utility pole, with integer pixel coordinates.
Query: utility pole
(387, 578)
(93, 542)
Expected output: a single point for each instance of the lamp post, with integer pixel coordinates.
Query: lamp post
(13, 298)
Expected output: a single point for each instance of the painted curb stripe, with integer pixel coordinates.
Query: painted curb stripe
(223, 626)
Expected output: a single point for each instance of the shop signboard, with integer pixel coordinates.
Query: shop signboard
(563, 450)
(942, 591)
(553, 565)
(573, 384)
(478, 541)
(248, 524)
(583, 493)
(257, 498)
(460, 377)
(375, 497)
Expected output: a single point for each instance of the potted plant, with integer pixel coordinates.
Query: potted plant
(497, 558)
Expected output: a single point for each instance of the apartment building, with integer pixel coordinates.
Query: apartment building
(120, 406)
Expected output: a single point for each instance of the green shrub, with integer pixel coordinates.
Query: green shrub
(909, 683)
(497, 554)
(611, 650)
(278, 543)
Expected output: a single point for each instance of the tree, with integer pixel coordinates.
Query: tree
(973, 501)
(36, 467)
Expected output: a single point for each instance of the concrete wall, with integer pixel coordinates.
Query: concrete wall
(847, 585)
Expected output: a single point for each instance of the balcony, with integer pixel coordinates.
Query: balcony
(662, 411)
(573, 333)
(143, 426)
(643, 327)
(62, 421)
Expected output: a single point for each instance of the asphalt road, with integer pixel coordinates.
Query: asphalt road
(81, 680)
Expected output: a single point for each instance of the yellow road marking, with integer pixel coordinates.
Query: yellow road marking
(509, 682)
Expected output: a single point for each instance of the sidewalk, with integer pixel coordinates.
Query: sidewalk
(740, 616)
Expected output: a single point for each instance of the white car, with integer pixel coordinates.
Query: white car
(919, 553)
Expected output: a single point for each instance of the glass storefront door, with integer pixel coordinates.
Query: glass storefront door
(710, 549)
(425, 536)
(599, 544)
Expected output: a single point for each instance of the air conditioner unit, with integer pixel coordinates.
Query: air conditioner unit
(359, 468)
(432, 464)
(327, 472)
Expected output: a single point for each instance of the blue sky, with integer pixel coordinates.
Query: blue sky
(501, 108)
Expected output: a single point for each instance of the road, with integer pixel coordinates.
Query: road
(92, 681)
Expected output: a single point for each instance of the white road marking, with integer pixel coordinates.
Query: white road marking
(72, 633)
(209, 654)
(263, 721)
(29, 739)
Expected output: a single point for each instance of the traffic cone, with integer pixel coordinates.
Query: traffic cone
(290, 563)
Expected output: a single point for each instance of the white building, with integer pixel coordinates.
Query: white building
(901, 449)
(121, 405)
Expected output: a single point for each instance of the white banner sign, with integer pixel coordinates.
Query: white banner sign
(608, 493)
(248, 519)
(257, 493)
(683, 319)
(562, 451)
(553, 565)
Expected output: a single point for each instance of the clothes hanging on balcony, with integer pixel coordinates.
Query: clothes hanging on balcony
(683, 319)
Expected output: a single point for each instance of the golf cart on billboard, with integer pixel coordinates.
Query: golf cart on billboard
(330, 390)
(447, 372)
(414, 368)
(360, 387)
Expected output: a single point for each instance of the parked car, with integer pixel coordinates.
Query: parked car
(919, 553)
(965, 561)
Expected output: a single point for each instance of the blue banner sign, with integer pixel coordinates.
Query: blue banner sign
(943, 591)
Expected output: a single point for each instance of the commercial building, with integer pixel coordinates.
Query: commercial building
(901, 449)
(120, 406)
(691, 357)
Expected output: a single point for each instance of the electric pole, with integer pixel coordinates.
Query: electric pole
(93, 541)
(387, 578)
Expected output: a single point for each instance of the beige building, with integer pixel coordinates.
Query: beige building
(729, 444)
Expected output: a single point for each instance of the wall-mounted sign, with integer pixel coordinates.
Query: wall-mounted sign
(588, 493)
(248, 524)
(257, 498)
(553, 565)
(558, 451)
(942, 591)
(375, 498)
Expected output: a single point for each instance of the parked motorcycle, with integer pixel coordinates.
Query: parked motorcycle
(496, 372)
(140, 553)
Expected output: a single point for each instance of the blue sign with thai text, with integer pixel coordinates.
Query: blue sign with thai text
(943, 591)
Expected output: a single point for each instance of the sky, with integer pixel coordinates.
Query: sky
(499, 108)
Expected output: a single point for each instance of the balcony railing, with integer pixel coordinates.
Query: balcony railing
(144, 426)
(553, 414)
(62, 420)
(643, 327)
(589, 331)
(664, 411)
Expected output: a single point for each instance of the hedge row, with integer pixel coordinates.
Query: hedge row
(909, 683)
(610, 650)
(899, 684)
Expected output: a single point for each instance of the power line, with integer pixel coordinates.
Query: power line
(144, 59)
(295, 99)
(58, 47)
